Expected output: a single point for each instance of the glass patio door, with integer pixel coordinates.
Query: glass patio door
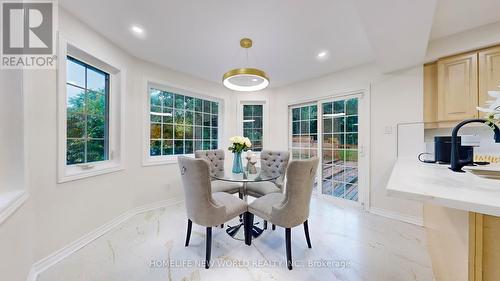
(339, 148)
(304, 132)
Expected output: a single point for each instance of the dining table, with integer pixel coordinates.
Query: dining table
(237, 231)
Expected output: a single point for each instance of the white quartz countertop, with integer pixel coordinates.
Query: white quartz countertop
(436, 184)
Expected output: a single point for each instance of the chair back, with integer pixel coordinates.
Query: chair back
(294, 210)
(200, 205)
(215, 159)
(274, 162)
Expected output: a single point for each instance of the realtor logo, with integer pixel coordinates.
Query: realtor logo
(28, 30)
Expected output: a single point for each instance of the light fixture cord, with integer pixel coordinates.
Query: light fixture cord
(247, 55)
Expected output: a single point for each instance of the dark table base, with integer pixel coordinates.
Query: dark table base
(238, 231)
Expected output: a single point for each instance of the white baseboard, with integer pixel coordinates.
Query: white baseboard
(69, 249)
(397, 216)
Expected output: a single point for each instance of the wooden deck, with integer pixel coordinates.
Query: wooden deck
(341, 179)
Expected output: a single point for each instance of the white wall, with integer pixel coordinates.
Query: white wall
(58, 214)
(11, 130)
(484, 133)
(469, 40)
(91, 202)
(395, 98)
(16, 244)
(16, 255)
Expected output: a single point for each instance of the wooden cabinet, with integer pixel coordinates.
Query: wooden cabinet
(455, 86)
(489, 73)
(462, 245)
(447, 232)
(430, 92)
(484, 247)
(458, 87)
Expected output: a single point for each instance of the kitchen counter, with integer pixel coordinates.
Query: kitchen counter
(436, 184)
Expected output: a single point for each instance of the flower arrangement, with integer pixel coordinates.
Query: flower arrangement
(493, 109)
(239, 144)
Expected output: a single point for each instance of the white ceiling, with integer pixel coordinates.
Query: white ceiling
(201, 38)
(398, 30)
(454, 16)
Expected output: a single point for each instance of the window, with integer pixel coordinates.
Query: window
(181, 124)
(253, 124)
(304, 132)
(87, 96)
(90, 110)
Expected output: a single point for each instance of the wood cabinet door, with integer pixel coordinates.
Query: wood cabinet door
(457, 87)
(489, 73)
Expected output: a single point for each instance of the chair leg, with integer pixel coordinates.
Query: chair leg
(188, 233)
(274, 227)
(306, 231)
(209, 247)
(240, 195)
(248, 226)
(288, 238)
(265, 225)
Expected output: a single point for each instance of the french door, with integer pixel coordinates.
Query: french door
(331, 129)
(304, 132)
(339, 148)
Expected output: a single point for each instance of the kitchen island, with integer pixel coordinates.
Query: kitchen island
(461, 217)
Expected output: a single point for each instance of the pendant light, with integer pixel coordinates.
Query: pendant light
(245, 79)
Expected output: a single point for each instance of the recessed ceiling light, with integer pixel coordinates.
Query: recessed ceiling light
(322, 55)
(137, 30)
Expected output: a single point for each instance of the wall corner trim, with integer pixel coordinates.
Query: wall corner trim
(45, 263)
(15, 201)
(397, 216)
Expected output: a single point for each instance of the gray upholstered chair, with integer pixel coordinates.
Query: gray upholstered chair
(291, 208)
(274, 163)
(216, 160)
(204, 207)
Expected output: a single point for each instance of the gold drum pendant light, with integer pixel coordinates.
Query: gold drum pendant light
(245, 79)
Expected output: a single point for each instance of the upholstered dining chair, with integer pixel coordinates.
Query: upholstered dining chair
(204, 207)
(291, 208)
(216, 160)
(274, 163)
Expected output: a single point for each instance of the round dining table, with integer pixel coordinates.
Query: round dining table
(237, 231)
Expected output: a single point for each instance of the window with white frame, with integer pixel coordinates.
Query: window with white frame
(181, 124)
(89, 114)
(253, 124)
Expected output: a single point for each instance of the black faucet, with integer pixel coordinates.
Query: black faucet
(456, 162)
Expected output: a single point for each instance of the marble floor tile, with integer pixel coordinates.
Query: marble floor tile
(348, 244)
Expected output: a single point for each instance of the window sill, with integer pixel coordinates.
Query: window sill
(162, 160)
(10, 202)
(96, 171)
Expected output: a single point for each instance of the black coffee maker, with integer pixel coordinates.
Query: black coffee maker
(442, 151)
